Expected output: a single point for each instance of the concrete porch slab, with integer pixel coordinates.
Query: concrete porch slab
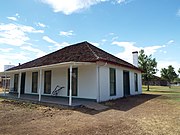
(57, 100)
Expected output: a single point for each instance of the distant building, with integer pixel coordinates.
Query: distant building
(5, 80)
(156, 81)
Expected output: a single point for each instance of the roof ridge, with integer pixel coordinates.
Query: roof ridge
(97, 57)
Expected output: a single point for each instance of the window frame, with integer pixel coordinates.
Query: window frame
(47, 79)
(16, 82)
(112, 81)
(136, 82)
(34, 82)
(74, 81)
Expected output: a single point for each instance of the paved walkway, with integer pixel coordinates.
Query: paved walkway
(57, 100)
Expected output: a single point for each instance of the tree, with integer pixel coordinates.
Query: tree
(169, 74)
(148, 65)
(179, 71)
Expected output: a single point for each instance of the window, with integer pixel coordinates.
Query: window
(136, 81)
(112, 75)
(74, 81)
(16, 78)
(47, 82)
(34, 82)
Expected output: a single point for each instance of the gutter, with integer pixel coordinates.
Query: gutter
(48, 66)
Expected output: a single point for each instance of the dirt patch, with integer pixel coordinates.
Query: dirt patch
(143, 114)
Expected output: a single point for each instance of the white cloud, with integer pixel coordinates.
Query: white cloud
(35, 50)
(152, 49)
(66, 33)
(41, 25)
(163, 51)
(115, 38)
(16, 34)
(60, 45)
(56, 44)
(95, 44)
(12, 18)
(13, 58)
(17, 15)
(130, 47)
(111, 33)
(170, 42)
(46, 38)
(70, 6)
(120, 1)
(6, 49)
(104, 40)
(178, 13)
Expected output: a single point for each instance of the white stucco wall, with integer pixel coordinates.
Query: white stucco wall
(105, 83)
(59, 77)
(28, 83)
(132, 84)
(104, 87)
(87, 82)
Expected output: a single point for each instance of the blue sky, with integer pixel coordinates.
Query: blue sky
(30, 29)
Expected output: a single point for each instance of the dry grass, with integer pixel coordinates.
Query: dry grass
(172, 93)
(150, 113)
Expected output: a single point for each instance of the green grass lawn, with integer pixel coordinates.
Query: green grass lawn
(172, 93)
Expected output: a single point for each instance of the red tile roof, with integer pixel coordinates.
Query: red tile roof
(80, 52)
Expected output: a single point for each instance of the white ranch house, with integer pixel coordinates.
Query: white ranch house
(77, 71)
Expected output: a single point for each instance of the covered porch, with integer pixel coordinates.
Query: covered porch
(46, 99)
(62, 101)
(22, 86)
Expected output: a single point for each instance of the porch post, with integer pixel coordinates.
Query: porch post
(19, 85)
(40, 84)
(70, 86)
(5, 84)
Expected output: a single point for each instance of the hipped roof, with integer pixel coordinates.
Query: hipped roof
(80, 52)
